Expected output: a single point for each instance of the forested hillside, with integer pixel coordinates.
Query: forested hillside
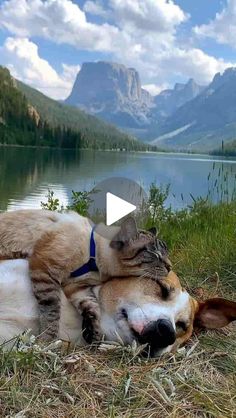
(27, 117)
(15, 122)
(94, 132)
(21, 124)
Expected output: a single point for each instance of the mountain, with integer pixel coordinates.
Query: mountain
(168, 101)
(202, 123)
(27, 117)
(112, 92)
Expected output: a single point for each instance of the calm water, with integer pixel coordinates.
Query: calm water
(26, 174)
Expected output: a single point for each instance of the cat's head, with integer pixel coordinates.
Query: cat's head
(140, 252)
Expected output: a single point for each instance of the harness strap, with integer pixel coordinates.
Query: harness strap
(91, 264)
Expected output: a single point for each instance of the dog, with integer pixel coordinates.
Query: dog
(131, 309)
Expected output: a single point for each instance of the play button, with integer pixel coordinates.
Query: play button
(113, 199)
(117, 208)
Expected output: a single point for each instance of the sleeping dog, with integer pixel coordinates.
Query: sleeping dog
(130, 309)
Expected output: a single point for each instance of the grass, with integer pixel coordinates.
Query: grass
(112, 381)
(198, 382)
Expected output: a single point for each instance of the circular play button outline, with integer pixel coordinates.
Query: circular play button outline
(115, 198)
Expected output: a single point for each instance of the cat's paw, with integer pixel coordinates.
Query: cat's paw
(91, 321)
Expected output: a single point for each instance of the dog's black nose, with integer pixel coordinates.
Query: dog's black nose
(158, 334)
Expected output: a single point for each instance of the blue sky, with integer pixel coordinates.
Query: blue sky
(45, 42)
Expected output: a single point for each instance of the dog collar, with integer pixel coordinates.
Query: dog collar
(91, 264)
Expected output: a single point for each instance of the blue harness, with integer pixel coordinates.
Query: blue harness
(91, 264)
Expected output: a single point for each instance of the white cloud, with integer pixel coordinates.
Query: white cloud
(155, 89)
(223, 27)
(157, 64)
(192, 63)
(148, 15)
(22, 58)
(61, 21)
(96, 8)
(138, 33)
(69, 73)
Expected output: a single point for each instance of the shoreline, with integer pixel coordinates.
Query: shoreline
(177, 153)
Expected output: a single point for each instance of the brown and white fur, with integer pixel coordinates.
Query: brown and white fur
(131, 309)
(57, 244)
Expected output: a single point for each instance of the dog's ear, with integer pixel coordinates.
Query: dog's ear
(128, 231)
(215, 313)
(153, 230)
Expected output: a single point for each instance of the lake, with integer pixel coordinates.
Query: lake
(26, 174)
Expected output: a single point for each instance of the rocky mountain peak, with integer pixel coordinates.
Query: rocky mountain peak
(103, 80)
(109, 89)
(179, 86)
(168, 101)
(229, 75)
(114, 93)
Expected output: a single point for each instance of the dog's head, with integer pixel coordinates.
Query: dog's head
(140, 252)
(138, 309)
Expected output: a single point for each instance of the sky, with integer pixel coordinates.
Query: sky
(45, 42)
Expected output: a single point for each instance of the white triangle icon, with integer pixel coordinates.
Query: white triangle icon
(116, 208)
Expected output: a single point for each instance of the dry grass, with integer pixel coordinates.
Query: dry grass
(199, 381)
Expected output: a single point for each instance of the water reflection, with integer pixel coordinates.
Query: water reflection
(26, 173)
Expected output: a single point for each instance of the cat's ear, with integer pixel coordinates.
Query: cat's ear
(215, 313)
(153, 230)
(128, 231)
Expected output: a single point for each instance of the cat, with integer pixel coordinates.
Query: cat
(56, 244)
